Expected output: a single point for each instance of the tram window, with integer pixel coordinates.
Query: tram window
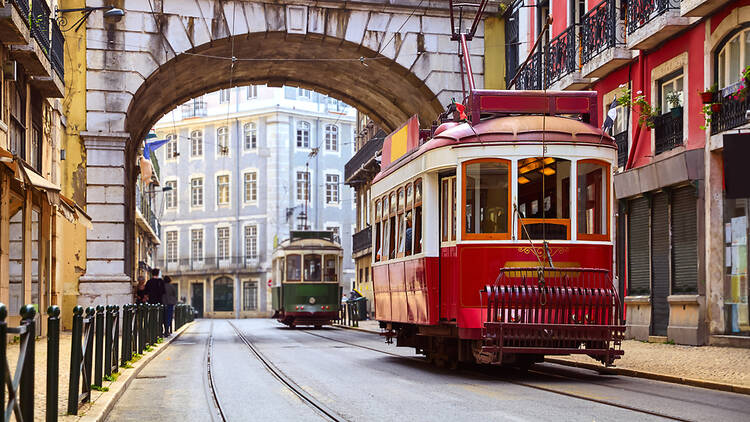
(293, 268)
(445, 197)
(312, 267)
(453, 208)
(401, 199)
(392, 204)
(386, 238)
(417, 216)
(401, 223)
(330, 268)
(408, 221)
(544, 198)
(593, 202)
(486, 193)
(392, 237)
(377, 231)
(409, 195)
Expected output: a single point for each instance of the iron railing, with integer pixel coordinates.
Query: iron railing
(731, 115)
(22, 6)
(40, 23)
(210, 263)
(20, 388)
(599, 30)
(362, 240)
(194, 108)
(363, 157)
(530, 77)
(641, 12)
(667, 132)
(621, 139)
(57, 50)
(352, 311)
(561, 56)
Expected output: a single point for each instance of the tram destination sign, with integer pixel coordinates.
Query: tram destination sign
(400, 141)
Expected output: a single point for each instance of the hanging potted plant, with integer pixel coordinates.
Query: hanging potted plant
(707, 96)
(674, 99)
(716, 107)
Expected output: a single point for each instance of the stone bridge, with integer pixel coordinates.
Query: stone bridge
(389, 58)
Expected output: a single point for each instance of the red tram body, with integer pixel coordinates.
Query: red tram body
(492, 239)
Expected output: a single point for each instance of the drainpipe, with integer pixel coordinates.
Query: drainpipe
(636, 135)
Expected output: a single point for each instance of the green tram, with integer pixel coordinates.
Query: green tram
(306, 279)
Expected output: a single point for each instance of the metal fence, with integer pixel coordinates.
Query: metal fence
(641, 12)
(667, 132)
(94, 353)
(352, 311)
(599, 30)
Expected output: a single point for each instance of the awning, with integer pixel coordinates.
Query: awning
(74, 213)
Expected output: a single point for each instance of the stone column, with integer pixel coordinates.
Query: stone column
(105, 280)
(714, 239)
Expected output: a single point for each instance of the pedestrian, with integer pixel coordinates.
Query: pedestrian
(170, 299)
(140, 290)
(155, 287)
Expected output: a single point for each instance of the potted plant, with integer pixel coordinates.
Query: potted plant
(647, 114)
(674, 99)
(707, 96)
(716, 107)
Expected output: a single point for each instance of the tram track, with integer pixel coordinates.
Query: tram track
(303, 395)
(210, 375)
(538, 371)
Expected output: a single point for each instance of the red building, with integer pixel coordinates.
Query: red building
(682, 215)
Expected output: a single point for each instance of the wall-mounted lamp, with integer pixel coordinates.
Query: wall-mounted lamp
(163, 189)
(112, 14)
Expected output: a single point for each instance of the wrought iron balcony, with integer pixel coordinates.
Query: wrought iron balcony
(364, 159)
(23, 8)
(667, 132)
(621, 139)
(40, 23)
(561, 56)
(531, 75)
(731, 115)
(194, 108)
(209, 263)
(57, 50)
(641, 12)
(362, 240)
(599, 30)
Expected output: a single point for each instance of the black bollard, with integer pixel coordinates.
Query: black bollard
(53, 361)
(99, 346)
(75, 361)
(28, 312)
(108, 341)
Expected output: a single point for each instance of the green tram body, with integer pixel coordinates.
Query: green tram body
(306, 286)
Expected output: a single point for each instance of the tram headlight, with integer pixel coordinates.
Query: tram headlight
(312, 301)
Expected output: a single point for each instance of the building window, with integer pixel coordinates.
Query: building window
(196, 192)
(332, 138)
(172, 246)
(222, 141)
(251, 186)
(249, 295)
(224, 96)
(303, 93)
(252, 92)
(303, 135)
(332, 188)
(222, 189)
(170, 195)
(336, 235)
(172, 147)
(251, 242)
(671, 93)
(251, 136)
(303, 185)
(18, 119)
(733, 58)
(196, 143)
(222, 243)
(196, 245)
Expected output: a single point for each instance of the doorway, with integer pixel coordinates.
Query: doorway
(196, 298)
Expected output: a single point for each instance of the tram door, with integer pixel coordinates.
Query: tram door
(448, 256)
(196, 298)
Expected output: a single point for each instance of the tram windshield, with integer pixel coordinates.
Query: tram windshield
(544, 198)
(312, 267)
(486, 193)
(293, 268)
(330, 268)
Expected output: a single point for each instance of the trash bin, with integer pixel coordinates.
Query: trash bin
(361, 308)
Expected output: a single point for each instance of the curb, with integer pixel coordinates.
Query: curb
(732, 388)
(98, 413)
(693, 382)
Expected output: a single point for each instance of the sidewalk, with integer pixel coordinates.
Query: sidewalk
(701, 366)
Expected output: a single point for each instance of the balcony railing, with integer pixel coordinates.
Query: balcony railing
(40, 23)
(599, 30)
(195, 108)
(363, 157)
(731, 115)
(362, 240)
(23, 9)
(531, 74)
(209, 263)
(621, 139)
(641, 12)
(667, 131)
(561, 56)
(57, 50)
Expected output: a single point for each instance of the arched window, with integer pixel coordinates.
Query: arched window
(251, 136)
(196, 143)
(732, 58)
(332, 138)
(222, 141)
(303, 135)
(223, 294)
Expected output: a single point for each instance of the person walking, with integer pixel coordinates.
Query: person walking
(154, 288)
(140, 291)
(170, 299)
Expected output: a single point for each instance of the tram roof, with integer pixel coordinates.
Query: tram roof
(511, 129)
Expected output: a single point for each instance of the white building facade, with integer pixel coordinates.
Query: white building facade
(243, 167)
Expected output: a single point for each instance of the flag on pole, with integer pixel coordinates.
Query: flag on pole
(611, 116)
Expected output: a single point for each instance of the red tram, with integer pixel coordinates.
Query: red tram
(493, 238)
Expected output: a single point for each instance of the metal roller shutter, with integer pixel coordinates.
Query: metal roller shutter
(684, 241)
(639, 264)
(660, 263)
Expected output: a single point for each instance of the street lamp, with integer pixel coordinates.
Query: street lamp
(163, 189)
(112, 14)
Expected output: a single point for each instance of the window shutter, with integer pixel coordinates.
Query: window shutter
(638, 247)
(684, 241)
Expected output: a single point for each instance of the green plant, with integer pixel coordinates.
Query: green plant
(623, 99)
(744, 86)
(645, 111)
(112, 377)
(97, 388)
(670, 341)
(706, 112)
(148, 348)
(674, 99)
